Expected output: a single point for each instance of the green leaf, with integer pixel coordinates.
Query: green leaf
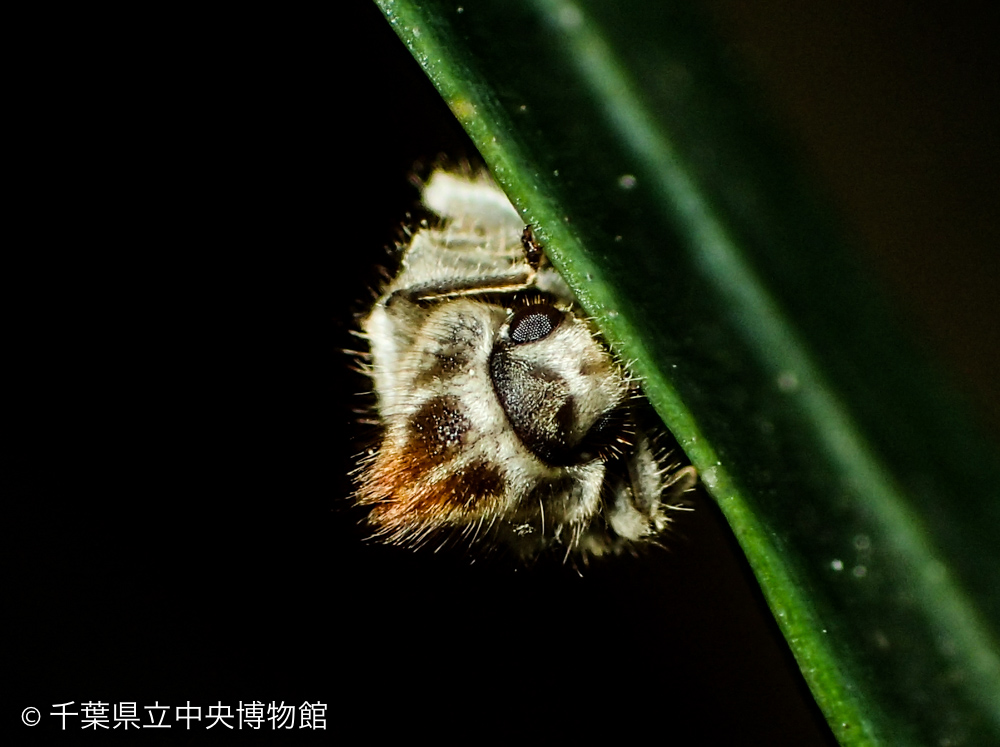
(866, 504)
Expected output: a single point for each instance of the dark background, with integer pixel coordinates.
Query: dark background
(203, 209)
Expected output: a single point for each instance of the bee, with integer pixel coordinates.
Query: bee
(506, 420)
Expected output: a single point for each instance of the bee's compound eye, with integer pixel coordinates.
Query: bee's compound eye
(534, 322)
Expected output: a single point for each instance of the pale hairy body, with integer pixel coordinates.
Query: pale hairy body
(505, 417)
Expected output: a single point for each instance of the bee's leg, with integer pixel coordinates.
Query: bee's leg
(533, 251)
(459, 287)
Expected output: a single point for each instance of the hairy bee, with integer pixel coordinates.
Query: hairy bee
(506, 418)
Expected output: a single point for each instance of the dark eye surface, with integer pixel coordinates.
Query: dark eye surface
(534, 323)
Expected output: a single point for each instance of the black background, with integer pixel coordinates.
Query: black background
(203, 210)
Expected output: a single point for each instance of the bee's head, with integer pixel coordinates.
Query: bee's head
(555, 381)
